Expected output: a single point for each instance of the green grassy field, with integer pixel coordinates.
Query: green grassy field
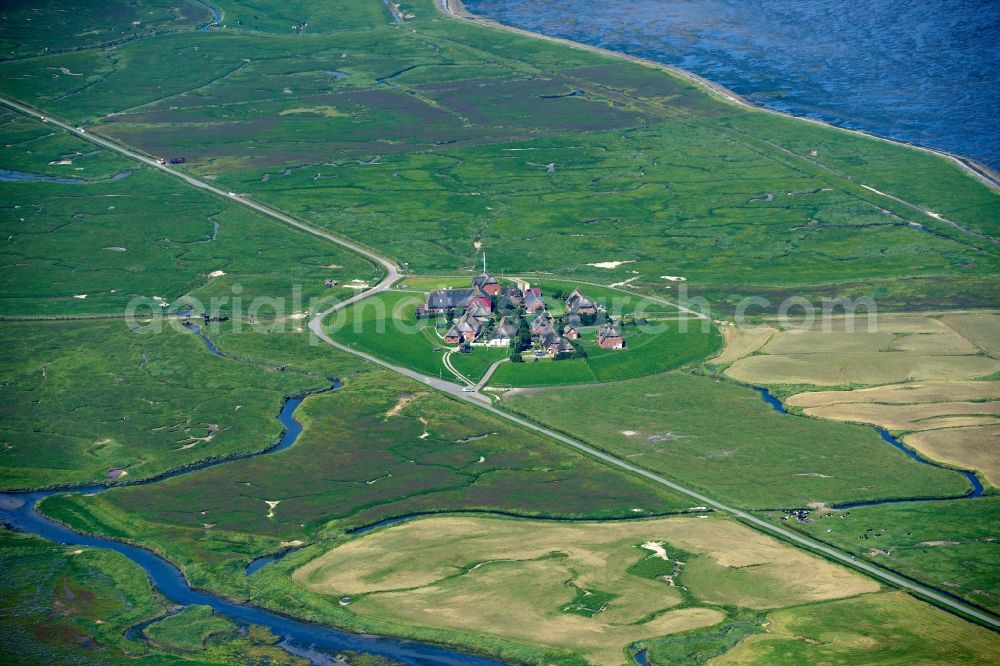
(474, 364)
(724, 440)
(120, 233)
(454, 140)
(874, 629)
(950, 545)
(651, 349)
(66, 605)
(386, 325)
(29, 30)
(188, 630)
(80, 399)
(430, 142)
(359, 462)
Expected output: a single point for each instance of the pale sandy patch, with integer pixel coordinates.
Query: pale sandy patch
(190, 441)
(629, 433)
(624, 282)
(940, 543)
(80, 296)
(439, 540)
(657, 548)
(611, 264)
(215, 274)
(271, 506)
(673, 278)
(325, 111)
(403, 401)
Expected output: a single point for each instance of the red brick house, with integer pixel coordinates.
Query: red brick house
(533, 300)
(466, 328)
(577, 303)
(608, 337)
(487, 283)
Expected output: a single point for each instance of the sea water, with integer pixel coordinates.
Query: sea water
(924, 72)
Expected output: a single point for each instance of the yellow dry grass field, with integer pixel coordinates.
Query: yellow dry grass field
(928, 416)
(742, 341)
(981, 328)
(524, 579)
(901, 348)
(841, 368)
(902, 394)
(955, 423)
(975, 448)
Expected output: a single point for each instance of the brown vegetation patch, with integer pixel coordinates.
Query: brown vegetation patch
(975, 448)
(518, 577)
(740, 342)
(925, 416)
(900, 394)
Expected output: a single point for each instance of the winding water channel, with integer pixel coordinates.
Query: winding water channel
(976, 489)
(18, 510)
(17, 176)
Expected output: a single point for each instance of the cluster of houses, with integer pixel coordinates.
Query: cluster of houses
(474, 309)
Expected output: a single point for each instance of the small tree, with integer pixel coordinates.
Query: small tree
(522, 340)
(515, 357)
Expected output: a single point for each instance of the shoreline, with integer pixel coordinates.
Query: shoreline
(456, 9)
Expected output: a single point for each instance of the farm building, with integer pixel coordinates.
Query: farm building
(579, 304)
(443, 300)
(570, 332)
(541, 322)
(555, 344)
(533, 300)
(503, 333)
(608, 337)
(487, 283)
(513, 294)
(465, 329)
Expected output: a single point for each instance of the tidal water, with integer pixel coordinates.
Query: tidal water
(925, 72)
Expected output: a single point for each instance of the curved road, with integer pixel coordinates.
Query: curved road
(469, 395)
